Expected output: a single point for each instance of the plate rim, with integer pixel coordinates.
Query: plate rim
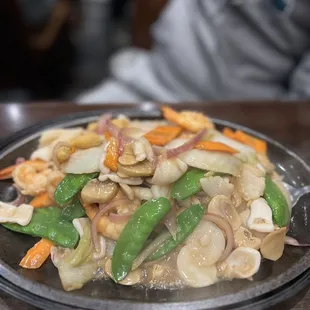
(52, 294)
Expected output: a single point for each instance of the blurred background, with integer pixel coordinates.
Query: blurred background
(55, 49)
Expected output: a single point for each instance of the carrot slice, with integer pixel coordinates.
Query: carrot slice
(111, 158)
(240, 136)
(162, 135)
(215, 146)
(107, 135)
(37, 255)
(40, 201)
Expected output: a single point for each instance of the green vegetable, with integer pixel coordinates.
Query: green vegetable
(71, 185)
(187, 221)
(135, 234)
(73, 210)
(277, 202)
(48, 223)
(83, 250)
(188, 184)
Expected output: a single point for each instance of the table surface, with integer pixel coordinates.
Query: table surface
(287, 122)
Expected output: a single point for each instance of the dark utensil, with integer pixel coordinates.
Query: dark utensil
(45, 284)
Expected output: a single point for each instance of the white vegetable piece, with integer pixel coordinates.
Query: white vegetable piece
(214, 161)
(160, 191)
(21, 215)
(84, 161)
(216, 185)
(168, 171)
(261, 216)
(142, 193)
(43, 153)
(242, 263)
(139, 150)
(193, 274)
(206, 243)
(251, 183)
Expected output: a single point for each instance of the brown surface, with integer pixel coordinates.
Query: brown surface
(145, 13)
(289, 123)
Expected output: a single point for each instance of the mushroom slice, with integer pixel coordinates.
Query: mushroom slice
(206, 244)
(242, 263)
(191, 272)
(98, 192)
(127, 190)
(139, 151)
(117, 179)
(140, 169)
(133, 277)
(244, 216)
(168, 171)
(222, 206)
(261, 216)
(244, 238)
(128, 157)
(273, 244)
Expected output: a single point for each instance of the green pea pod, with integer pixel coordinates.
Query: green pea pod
(48, 223)
(135, 234)
(277, 202)
(188, 184)
(187, 221)
(74, 210)
(71, 185)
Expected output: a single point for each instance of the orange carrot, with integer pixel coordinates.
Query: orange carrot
(107, 135)
(37, 255)
(162, 135)
(111, 158)
(215, 146)
(40, 201)
(240, 136)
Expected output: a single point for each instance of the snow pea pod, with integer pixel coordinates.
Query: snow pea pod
(277, 202)
(48, 223)
(135, 234)
(187, 221)
(71, 185)
(73, 210)
(188, 184)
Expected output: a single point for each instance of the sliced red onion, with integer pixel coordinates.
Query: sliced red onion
(119, 218)
(103, 123)
(225, 225)
(20, 160)
(20, 199)
(170, 221)
(150, 249)
(102, 210)
(294, 242)
(187, 145)
(113, 129)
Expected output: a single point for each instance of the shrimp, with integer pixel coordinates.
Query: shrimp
(31, 177)
(53, 179)
(105, 227)
(192, 121)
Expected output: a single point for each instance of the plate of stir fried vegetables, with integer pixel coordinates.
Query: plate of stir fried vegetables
(169, 204)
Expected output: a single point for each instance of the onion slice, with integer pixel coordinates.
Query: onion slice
(150, 249)
(119, 218)
(102, 210)
(223, 224)
(103, 123)
(294, 242)
(170, 221)
(187, 145)
(19, 160)
(20, 199)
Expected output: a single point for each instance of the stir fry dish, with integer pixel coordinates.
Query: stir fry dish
(164, 203)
